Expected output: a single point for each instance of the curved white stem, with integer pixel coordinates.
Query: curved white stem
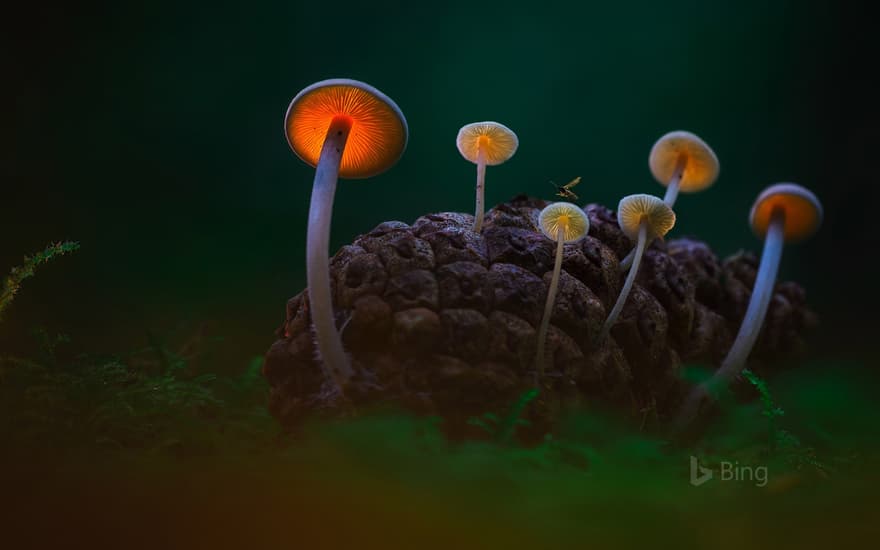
(548, 306)
(750, 328)
(627, 262)
(481, 184)
(762, 293)
(627, 285)
(672, 191)
(669, 198)
(317, 251)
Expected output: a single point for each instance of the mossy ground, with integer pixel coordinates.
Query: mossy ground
(110, 450)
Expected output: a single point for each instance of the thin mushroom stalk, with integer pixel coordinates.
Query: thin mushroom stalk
(638, 252)
(548, 306)
(762, 293)
(642, 218)
(675, 182)
(479, 213)
(759, 302)
(562, 222)
(317, 249)
(781, 213)
(627, 262)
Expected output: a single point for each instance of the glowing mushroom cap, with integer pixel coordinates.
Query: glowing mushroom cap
(701, 169)
(499, 143)
(803, 211)
(378, 128)
(566, 217)
(634, 208)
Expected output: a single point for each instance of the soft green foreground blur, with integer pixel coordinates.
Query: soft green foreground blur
(204, 478)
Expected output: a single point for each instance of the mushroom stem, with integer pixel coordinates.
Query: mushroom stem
(760, 300)
(481, 184)
(675, 181)
(669, 198)
(750, 328)
(548, 307)
(627, 285)
(317, 251)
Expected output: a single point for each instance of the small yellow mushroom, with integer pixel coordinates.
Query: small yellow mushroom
(562, 222)
(642, 218)
(485, 144)
(680, 161)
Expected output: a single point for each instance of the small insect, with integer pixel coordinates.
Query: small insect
(565, 191)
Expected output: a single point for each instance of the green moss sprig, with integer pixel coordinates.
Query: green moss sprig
(12, 282)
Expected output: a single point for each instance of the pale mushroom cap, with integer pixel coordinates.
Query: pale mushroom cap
(701, 169)
(803, 211)
(566, 217)
(633, 208)
(499, 143)
(379, 132)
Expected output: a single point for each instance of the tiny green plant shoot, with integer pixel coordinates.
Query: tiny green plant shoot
(12, 282)
(503, 429)
(770, 410)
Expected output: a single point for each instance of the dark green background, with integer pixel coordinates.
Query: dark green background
(153, 135)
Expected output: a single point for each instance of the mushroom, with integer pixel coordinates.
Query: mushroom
(485, 143)
(642, 218)
(681, 161)
(562, 222)
(783, 212)
(344, 128)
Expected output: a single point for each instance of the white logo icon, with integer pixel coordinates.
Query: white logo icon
(699, 474)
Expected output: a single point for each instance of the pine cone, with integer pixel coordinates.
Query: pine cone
(442, 320)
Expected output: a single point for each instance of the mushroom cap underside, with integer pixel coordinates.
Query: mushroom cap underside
(701, 166)
(566, 217)
(635, 208)
(803, 211)
(378, 134)
(497, 141)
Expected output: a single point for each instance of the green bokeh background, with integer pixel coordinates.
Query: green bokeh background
(153, 135)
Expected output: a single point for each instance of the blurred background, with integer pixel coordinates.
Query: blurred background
(153, 135)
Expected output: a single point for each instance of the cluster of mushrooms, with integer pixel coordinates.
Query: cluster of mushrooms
(345, 128)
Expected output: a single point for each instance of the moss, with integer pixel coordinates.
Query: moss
(12, 282)
(141, 402)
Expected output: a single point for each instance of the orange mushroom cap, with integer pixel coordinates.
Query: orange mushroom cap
(701, 169)
(803, 211)
(378, 134)
(498, 142)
